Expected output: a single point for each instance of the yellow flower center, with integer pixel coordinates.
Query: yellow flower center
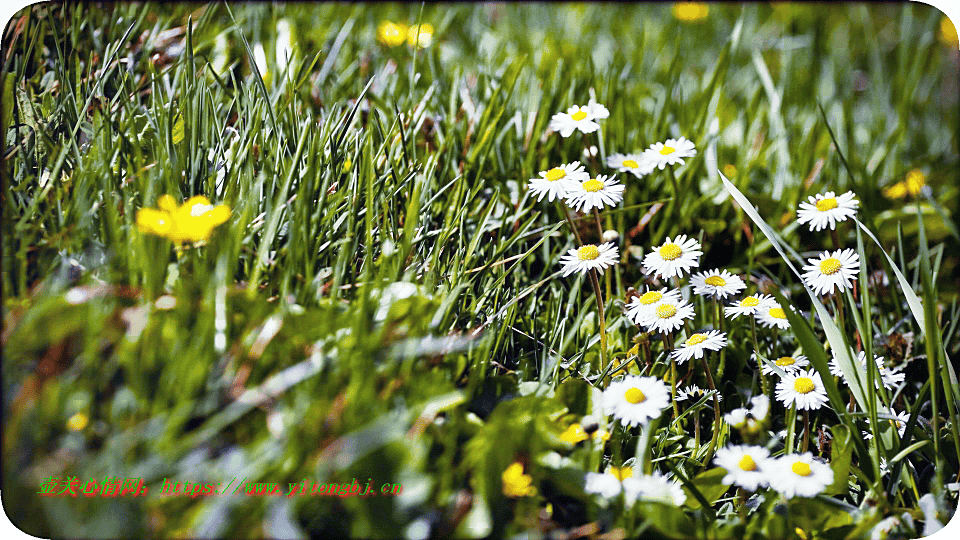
(630, 163)
(830, 266)
(588, 252)
(620, 473)
(827, 204)
(651, 297)
(804, 385)
(715, 281)
(778, 313)
(555, 174)
(785, 361)
(634, 395)
(665, 311)
(696, 339)
(593, 185)
(670, 251)
(578, 116)
(801, 468)
(667, 150)
(746, 463)
(750, 301)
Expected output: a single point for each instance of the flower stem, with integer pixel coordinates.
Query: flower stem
(716, 412)
(603, 325)
(673, 374)
(806, 431)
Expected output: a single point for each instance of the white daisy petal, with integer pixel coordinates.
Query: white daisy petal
(716, 283)
(579, 118)
(789, 364)
(591, 193)
(832, 270)
(750, 305)
(772, 314)
(695, 345)
(673, 257)
(803, 388)
(799, 475)
(827, 209)
(632, 163)
(589, 257)
(648, 302)
(746, 466)
(552, 183)
(653, 488)
(667, 316)
(636, 400)
(669, 152)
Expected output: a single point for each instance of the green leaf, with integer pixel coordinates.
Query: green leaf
(710, 484)
(840, 454)
(178, 129)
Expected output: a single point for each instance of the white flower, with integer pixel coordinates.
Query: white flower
(667, 317)
(771, 315)
(789, 364)
(751, 305)
(799, 475)
(890, 378)
(714, 340)
(589, 257)
(900, 421)
(673, 257)
(827, 209)
(670, 152)
(604, 484)
(803, 388)
(636, 400)
(746, 465)
(653, 488)
(695, 392)
(751, 420)
(831, 270)
(716, 283)
(594, 193)
(552, 183)
(632, 163)
(648, 302)
(577, 117)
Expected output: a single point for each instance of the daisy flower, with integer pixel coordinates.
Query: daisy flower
(653, 488)
(799, 475)
(667, 317)
(673, 257)
(632, 163)
(745, 465)
(889, 377)
(716, 283)
(648, 302)
(552, 183)
(589, 257)
(751, 419)
(900, 421)
(695, 392)
(803, 388)
(577, 117)
(750, 305)
(593, 193)
(827, 209)
(605, 484)
(831, 270)
(789, 364)
(714, 340)
(771, 315)
(670, 152)
(636, 400)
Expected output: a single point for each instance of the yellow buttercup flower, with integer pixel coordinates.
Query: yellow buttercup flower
(77, 422)
(420, 35)
(191, 222)
(690, 11)
(392, 34)
(515, 483)
(574, 434)
(911, 185)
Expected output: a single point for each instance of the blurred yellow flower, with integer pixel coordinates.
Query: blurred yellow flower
(515, 483)
(77, 422)
(911, 185)
(421, 39)
(948, 32)
(621, 472)
(690, 11)
(574, 434)
(191, 222)
(392, 34)
(729, 170)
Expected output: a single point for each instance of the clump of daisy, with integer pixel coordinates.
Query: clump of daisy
(669, 152)
(694, 392)
(552, 183)
(803, 388)
(716, 283)
(695, 345)
(673, 257)
(589, 257)
(746, 465)
(899, 420)
(636, 400)
(799, 475)
(648, 302)
(772, 315)
(750, 305)
(789, 364)
(593, 193)
(827, 209)
(653, 488)
(579, 118)
(831, 270)
(890, 378)
(667, 316)
(631, 163)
